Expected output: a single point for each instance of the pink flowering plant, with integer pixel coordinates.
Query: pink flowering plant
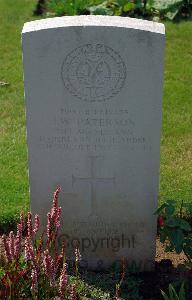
(30, 265)
(33, 267)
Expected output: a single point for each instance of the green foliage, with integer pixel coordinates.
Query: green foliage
(67, 7)
(146, 9)
(174, 230)
(120, 8)
(187, 207)
(129, 287)
(172, 8)
(40, 7)
(133, 284)
(173, 294)
(105, 8)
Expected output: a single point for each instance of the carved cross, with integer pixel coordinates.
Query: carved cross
(93, 181)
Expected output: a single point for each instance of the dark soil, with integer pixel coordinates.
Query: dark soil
(164, 274)
(169, 268)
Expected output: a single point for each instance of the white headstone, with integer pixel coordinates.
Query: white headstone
(93, 90)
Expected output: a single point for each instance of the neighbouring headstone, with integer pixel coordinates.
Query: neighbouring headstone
(93, 90)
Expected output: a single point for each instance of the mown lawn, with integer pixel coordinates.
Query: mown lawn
(176, 146)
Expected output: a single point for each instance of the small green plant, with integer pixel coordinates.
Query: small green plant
(129, 279)
(173, 294)
(174, 231)
(133, 284)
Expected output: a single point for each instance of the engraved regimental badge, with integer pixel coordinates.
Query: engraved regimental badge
(93, 72)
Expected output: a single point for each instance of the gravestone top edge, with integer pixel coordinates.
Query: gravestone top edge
(89, 20)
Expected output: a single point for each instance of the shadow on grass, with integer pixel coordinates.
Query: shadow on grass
(138, 286)
(6, 227)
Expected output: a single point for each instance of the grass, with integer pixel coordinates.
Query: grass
(176, 146)
(13, 152)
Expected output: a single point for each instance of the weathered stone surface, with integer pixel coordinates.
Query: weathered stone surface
(93, 90)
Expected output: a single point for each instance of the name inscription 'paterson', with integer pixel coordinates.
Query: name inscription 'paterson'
(94, 130)
(93, 72)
